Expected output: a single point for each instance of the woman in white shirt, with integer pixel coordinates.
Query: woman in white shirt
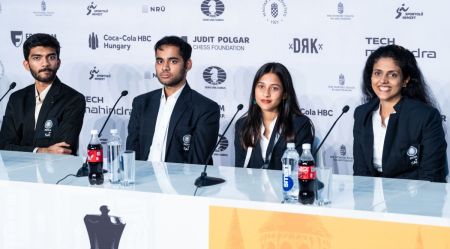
(272, 120)
(398, 132)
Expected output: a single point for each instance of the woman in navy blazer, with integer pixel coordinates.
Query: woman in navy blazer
(398, 132)
(272, 120)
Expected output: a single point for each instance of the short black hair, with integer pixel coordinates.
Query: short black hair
(185, 48)
(40, 39)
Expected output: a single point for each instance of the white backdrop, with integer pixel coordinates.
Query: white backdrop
(324, 45)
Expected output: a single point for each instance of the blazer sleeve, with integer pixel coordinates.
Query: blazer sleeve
(433, 149)
(205, 135)
(239, 152)
(133, 128)
(359, 166)
(9, 134)
(71, 122)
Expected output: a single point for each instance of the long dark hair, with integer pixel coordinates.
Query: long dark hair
(250, 132)
(415, 89)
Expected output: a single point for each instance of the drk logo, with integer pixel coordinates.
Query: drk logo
(93, 41)
(214, 75)
(306, 46)
(16, 38)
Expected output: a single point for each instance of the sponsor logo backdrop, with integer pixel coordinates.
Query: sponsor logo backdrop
(107, 47)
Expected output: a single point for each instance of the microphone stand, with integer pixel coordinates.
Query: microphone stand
(204, 179)
(10, 88)
(84, 170)
(344, 110)
(320, 184)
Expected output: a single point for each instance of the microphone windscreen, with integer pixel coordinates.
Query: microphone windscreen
(240, 106)
(124, 93)
(345, 109)
(12, 85)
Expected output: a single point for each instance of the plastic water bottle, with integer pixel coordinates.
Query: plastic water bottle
(290, 172)
(114, 151)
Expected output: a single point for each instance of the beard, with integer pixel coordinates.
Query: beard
(175, 80)
(47, 79)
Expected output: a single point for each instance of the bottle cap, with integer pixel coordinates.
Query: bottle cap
(290, 146)
(94, 132)
(114, 131)
(306, 146)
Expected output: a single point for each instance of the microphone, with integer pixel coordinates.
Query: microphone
(11, 86)
(204, 179)
(344, 110)
(84, 170)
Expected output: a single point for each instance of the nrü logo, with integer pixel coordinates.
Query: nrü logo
(305, 46)
(212, 8)
(104, 231)
(16, 38)
(223, 144)
(214, 75)
(93, 41)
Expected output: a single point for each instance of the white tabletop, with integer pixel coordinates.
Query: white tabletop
(348, 192)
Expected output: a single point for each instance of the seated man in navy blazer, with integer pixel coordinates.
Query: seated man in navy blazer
(47, 116)
(175, 123)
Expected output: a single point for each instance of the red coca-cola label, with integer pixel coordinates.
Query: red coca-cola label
(306, 172)
(95, 156)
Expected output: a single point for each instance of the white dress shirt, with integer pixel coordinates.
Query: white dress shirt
(40, 96)
(264, 143)
(379, 133)
(166, 106)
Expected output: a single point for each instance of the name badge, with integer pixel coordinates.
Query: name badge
(49, 127)
(186, 142)
(413, 154)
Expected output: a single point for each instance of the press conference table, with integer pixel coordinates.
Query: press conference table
(160, 211)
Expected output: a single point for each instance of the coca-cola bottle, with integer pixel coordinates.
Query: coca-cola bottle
(306, 176)
(95, 159)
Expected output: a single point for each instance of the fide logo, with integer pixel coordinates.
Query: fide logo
(93, 41)
(223, 144)
(214, 75)
(212, 8)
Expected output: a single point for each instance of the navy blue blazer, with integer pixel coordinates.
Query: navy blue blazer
(414, 145)
(60, 119)
(193, 127)
(304, 133)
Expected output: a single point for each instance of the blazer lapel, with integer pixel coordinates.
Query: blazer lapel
(390, 133)
(30, 104)
(183, 102)
(47, 104)
(150, 117)
(368, 134)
